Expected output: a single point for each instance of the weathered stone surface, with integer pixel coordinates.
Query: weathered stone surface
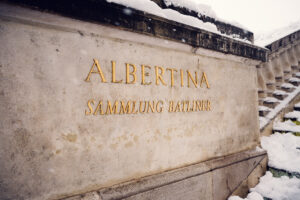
(227, 179)
(191, 189)
(192, 182)
(53, 149)
(252, 180)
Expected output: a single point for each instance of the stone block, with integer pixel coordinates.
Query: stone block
(199, 187)
(280, 96)
(270, 104)
(289, 90)
(263, 113)
(227, 179)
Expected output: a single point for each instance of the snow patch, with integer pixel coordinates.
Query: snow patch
(270, 100)
(267, 38)
(286, 126)
(193, 5)
(251, 196)
(279, 92)
(287, 85)
(293, 79)
(297, 105)
(263, 108)
(282, 151)
(282, 188)
(294, 114)
(152, 8)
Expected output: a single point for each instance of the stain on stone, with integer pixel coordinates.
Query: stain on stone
(128, 144)
(12, 156)
(57, 50)
(70, 137)
(114, 146)
(158, 132)
(2, 93)
(80, 33)
(58, 151)
(136, 139)
(22, 137)
(167, 137)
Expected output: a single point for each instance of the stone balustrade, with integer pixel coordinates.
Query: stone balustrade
(278, 77)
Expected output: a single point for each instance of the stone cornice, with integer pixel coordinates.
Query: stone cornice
(113, 15)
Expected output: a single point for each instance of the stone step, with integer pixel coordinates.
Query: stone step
(279, 173)
(294, 81)
(286, 89)
(270, 104)
(297, 108)
(293, 116)
(290, 118)
(263, 113)
(297, 75)
(280, 96)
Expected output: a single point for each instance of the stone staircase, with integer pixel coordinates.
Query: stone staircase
(290, 124)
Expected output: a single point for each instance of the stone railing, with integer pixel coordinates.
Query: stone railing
(278, 79)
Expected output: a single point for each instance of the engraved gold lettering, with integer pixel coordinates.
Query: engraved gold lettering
(151, 106)
(145, 74)
(194, 106)
(199, 105)
(98, 71)
(177, 108)
(208, 105)
(204, 79)
(172, 70)
(171, 104)
(159, 76)
(140, 107)
(113, 69)
(183, 106)
(111, 109)
(159, 109)
(91, 101)
(125, 109)
(133, 108)
(128, 73)
(181, 78)
(99, 108)
(189, 76)
(188, 106)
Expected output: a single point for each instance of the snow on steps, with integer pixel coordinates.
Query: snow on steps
(286, 126)
(272, 188)
(293, 116)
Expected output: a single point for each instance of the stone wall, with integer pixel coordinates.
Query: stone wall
(63, 135)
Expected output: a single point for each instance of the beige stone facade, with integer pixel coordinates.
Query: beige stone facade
(87, 107)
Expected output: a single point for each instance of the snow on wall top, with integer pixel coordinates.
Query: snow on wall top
(201, 9)
(267, 38)
(151, 7)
